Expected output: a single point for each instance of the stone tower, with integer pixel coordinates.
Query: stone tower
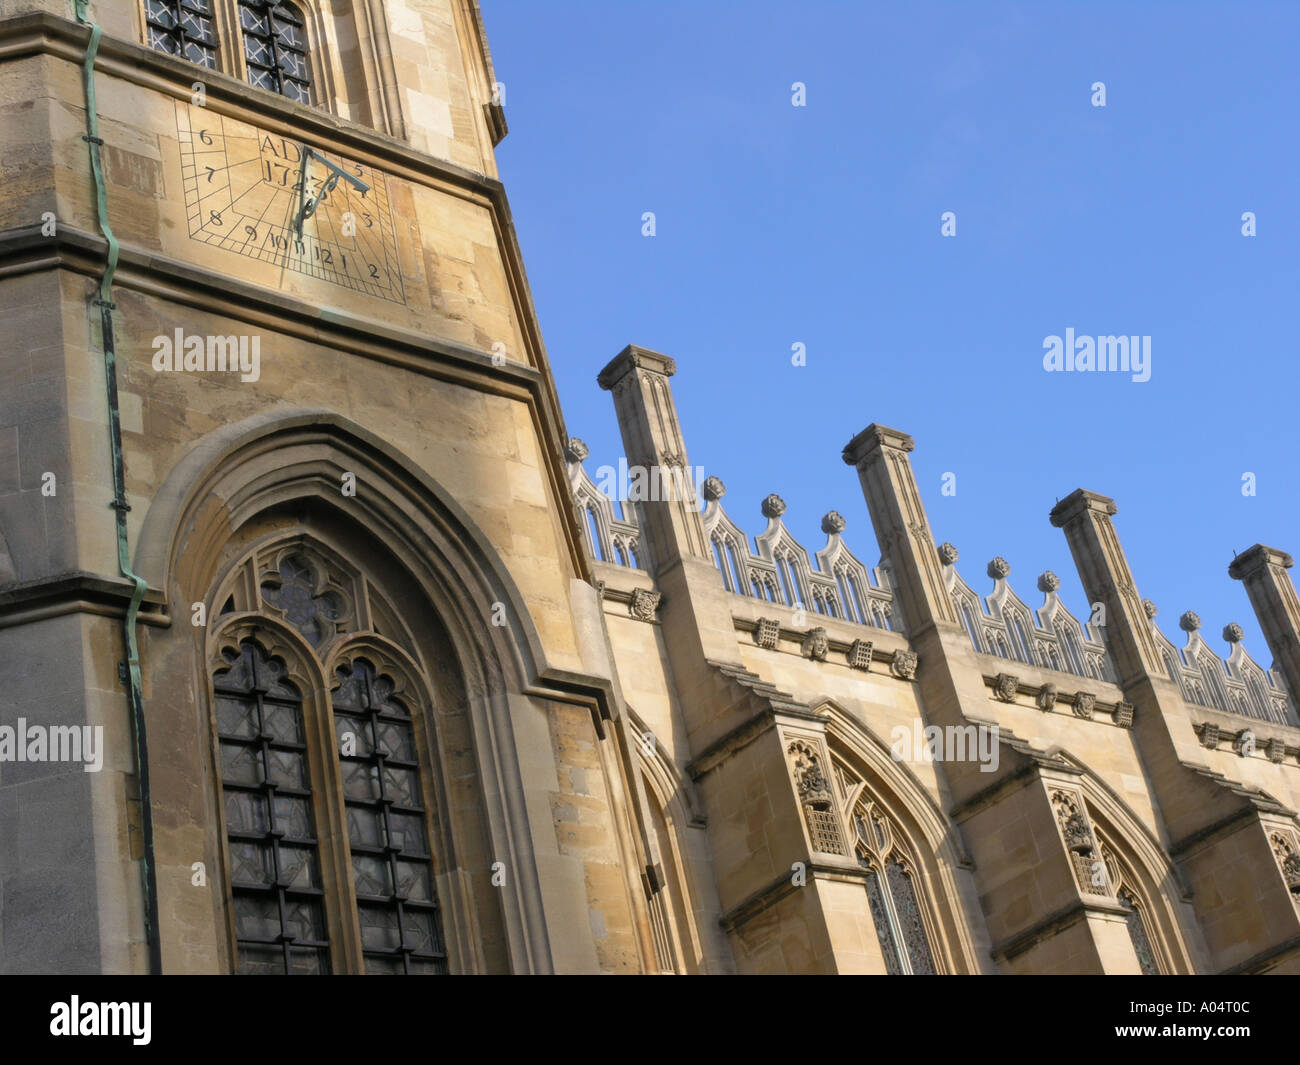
(285, 512)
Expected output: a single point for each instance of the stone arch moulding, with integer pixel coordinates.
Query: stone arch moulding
(239, 471)
(941, 853)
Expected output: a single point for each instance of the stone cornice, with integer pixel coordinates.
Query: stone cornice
(631, 358)
(76, 592)
(1256, 558)
(1079, 502)
(1051, 925)
(872, 438)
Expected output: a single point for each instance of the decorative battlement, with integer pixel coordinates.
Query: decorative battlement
(1238, 686)
(1005, 626)
(611, 536)
(838, 586)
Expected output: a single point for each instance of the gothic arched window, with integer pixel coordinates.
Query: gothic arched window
(891, 894)
(400, 928)
(182, 28)
(325, 755)
(275, 48)
(275, 875)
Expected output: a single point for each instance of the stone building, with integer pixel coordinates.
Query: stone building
(295, 538)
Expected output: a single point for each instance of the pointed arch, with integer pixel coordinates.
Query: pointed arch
(1140, 864)
(248, 482)
(936, 859)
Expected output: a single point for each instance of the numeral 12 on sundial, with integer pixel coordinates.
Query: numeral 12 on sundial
(307, 203)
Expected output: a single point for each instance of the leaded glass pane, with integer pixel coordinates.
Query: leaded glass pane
(909, 918)
(275, 45)
(182, 28)
(274, 868)
(246, 812)
(392, 871)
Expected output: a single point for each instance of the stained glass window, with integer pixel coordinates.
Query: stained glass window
(909, 917)
(182, 28)
(275, 48)
(274, 865)
(400, 927)
(891, 897)
(311, 613)
(1138, 934)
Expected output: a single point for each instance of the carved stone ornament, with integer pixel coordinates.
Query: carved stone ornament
(947, 553)
(1124, 715)
(1004, 687)
(1276, 750)
(904, 664)
(576, 451)
(859, 654)
(1190, 621)
(644, 604)
(814, 789)
(833, 522)
(1291, 870)
(816, 645)
(1233, 633)
(767, 632)
(1047, 696)
(1150, 608)
(1244, 743)
(1288, 861)
(670, 460)
(999, 568)
(921, 533)
(713, 488)
(600, 589)
(1048, 581)
(773, 506)
(1210, 736)
(816, 797)
(1079, 842)
(1085, 703)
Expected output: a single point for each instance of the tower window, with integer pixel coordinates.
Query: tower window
(182, 28)
(276, 886)
(275, 47)
(400, 927)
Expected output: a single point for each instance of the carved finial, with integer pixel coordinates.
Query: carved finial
(1150, 608)
(576, 451)
(1189, 622)
(713, 488)
(947, 553)
(1233, 633)
(1048, 581)
(999, 568)
(833, 522)
(773, 506)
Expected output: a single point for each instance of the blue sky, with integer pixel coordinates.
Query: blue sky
(820, 225)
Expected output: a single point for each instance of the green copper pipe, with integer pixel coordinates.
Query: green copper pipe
(135, 695)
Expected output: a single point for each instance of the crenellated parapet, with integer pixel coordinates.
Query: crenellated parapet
(1238, 685)
(1003, 624)
(611, 528)
(781, 570)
